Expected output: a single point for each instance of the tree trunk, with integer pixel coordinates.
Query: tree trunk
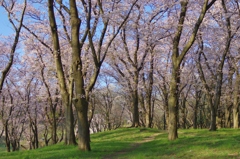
(195, 116)
(200, 118)
(196, 107)
(149, 114)
(69, 126)
(227, 117)
(36, 134)
(184, 116)
(54, 128)
(236, 101)
(150, 105)
(135, 109)
(235, 118)
(7, 141)
(213, 125)
(135, 100)
(164, 121)
(173, 106)
(166, 110)
(83, 127)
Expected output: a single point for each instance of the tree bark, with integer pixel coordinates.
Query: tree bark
(81, 101)
(135, 109)
(173, 106)
(83, 127)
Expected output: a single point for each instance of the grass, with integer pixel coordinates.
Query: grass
(224, 143)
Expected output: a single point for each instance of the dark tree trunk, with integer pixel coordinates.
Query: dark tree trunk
(7, 141)
(195, 109)
(135, 109)
(195, 117)
(213, 125)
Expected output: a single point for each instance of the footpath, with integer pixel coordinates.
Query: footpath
(133, 146)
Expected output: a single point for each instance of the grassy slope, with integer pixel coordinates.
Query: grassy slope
(225, 143)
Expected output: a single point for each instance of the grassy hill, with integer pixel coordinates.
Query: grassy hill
(137, 143)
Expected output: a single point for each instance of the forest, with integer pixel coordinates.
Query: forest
(73, 68)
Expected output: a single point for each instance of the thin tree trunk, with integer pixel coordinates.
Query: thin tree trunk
(236, 101)
(150, 105)
(166, 111)
(227, 117)
(195, 110)
(184, 117)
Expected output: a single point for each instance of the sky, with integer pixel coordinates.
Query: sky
(5, 26)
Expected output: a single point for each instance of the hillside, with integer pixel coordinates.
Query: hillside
(143, 143)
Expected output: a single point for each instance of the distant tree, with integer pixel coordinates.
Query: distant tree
(135, 51)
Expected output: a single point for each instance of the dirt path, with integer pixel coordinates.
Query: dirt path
(133, 147)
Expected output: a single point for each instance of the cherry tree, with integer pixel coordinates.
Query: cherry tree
(134, 51)
(11, 7)
(177, 58)
(85, 19)
(230, 30)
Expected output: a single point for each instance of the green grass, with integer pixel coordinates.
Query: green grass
(224, 143)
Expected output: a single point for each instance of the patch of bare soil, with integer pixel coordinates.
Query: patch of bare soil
(133, 147)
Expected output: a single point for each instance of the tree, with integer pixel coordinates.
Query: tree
(66, 92)
(177, 58)
(214, 98)
(133, 54)
(17, 28)
(95, 14)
